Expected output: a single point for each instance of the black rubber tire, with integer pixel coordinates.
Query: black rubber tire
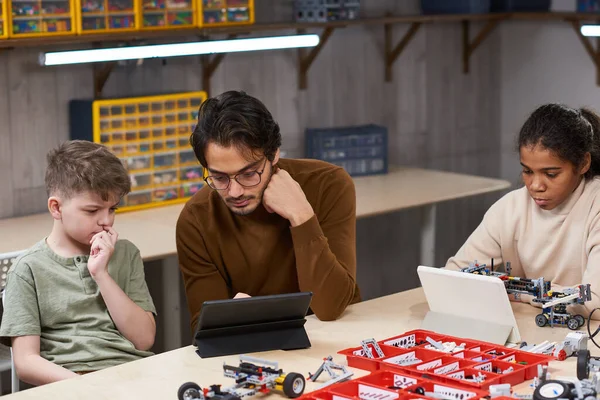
(293, 385)
(573, 324)
(579, 319)
(420, 390)
(541, 392)
(541, 320)
(583, 367)
(189, 388)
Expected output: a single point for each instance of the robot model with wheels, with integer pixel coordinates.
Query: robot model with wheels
(565, 388)
(251, 376)
(555, 307)
(554, 303)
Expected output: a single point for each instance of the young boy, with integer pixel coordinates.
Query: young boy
(77, 301)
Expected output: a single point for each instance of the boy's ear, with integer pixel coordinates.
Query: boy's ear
(54, 206)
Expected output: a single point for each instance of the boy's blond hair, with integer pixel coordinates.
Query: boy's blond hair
(80, 166)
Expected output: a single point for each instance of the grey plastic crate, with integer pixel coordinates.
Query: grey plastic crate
(360, 150)
(326, 10)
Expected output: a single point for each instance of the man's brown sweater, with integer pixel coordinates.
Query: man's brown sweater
(221, 253)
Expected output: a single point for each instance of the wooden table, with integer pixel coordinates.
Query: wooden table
(160, 376)
(153, 230)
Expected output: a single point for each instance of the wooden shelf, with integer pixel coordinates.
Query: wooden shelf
(306, 57)
(265, 27)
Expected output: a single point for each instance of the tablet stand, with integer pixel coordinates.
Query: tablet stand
(470, 328)
(279, 335)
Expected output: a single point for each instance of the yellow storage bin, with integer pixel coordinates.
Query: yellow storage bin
(168, 14)
(226, 12)
(3, 20)
(37, 18)
(106, 16)
(151, 136)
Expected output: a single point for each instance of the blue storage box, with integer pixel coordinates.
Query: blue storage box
(591, 6)
(520, 5)
(455, 6)
(360, 150)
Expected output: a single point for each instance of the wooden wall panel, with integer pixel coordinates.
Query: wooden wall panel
(437, 118)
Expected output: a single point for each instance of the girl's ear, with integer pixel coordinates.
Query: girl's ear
(587, 163)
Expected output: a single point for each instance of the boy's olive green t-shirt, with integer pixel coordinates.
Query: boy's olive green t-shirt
(56, 298)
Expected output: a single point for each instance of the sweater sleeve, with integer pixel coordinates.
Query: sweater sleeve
(325, 249)
(483, 244)
(591, 274)
(201, 277)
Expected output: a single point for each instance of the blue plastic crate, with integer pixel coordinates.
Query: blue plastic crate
(360, 150)
(519, 5)
(591, 6)
(455, 6)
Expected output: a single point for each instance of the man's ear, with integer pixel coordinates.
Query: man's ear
(276, 158)
(55, 207)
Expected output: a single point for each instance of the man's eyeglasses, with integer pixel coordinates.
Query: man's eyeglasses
(246, 179)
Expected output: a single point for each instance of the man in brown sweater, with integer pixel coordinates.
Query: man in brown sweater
(264, 225)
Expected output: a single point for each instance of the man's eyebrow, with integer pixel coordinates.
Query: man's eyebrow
(254, 164)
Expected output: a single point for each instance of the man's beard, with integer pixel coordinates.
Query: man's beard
(247, 210)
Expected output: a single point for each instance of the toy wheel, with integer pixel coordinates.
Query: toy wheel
(580, 319)
(573, 324)
(293, 385)
(189, 391)
(583, 367)
(551, 390)
(541, 320)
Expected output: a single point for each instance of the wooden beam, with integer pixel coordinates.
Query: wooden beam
(597, 62)
(305, 61)
(587, 44)
(392, 54)
(209, 66)
(101, 74)
(470, 47)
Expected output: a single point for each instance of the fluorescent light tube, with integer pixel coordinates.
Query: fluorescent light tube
(177, 49)
(590, 30)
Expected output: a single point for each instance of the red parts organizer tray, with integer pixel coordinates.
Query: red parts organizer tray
(470, 366)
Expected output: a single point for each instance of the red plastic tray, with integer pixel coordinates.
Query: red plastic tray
(391, 385)
(410, 354)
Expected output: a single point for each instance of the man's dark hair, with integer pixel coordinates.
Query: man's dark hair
(237, 119)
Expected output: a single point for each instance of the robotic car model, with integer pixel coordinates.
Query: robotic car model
(555, 307)
(252, 376)
(586, 364)
(554, 303)
(565, 388)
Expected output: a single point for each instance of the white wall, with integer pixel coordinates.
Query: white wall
(541, 62)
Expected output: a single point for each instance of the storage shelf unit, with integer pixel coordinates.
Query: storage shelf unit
(107, 16)
(3, 19)
(168, 14)
(226, 12)
(38, 18)
(151, 136)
